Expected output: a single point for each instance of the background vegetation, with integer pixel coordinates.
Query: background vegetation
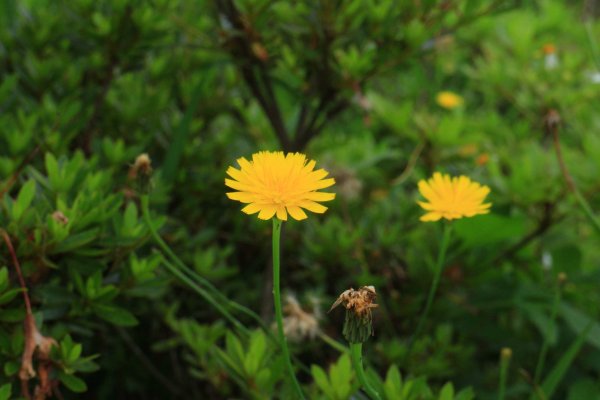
(86, 86)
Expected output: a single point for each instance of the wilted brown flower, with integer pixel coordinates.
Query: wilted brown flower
(360, 301)
(358, 325)
(142, 166)
(299, 324)
(141, 172)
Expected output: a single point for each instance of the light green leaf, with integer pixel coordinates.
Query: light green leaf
(447, 392)
(5, 391)
(24, 199)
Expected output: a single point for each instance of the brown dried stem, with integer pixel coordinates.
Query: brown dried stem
(34, 340)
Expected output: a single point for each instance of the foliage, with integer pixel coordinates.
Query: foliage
(87, 86)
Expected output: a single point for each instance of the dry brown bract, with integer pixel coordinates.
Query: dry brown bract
(361, 301)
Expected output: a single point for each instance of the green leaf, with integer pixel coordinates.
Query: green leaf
(5, 391)
(256, 353)
(393, 382)
(3, 279)
(341, 372)
(75, 241)
(115, 315)
(72, 382)
(75, 352)
(447, 392)
(11, 368)
(322, 382)
(234, 348)
(24, 199)
(7, 296)
(465, 394)
(53, 171)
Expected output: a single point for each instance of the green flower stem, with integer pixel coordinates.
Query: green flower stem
(356, 353)
(183, 277)
(504, 363)
(585, 206)
(278, 310)
(439, 267)
(546, 344)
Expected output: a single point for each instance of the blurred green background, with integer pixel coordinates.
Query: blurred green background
(86, 86)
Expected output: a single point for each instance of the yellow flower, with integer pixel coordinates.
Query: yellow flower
(449, 100)
(277, 184)
(452, 198)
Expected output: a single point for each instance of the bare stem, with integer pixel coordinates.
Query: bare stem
(278, 310)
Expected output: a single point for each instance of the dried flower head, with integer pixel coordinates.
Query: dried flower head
(141, 172)
(274, 184)
(299, 324)
(360, 301)
(142, 165)
(358, 325)
(452, 197)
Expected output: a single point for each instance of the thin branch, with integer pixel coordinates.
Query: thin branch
(552, 121)
(410, 165)
(545, 223)
(312, 131)
(17, 267)
(34, 340)
(253, 70)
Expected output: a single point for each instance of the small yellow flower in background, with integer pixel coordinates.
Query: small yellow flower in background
(452, 197)
(276, 184)
(449, 100)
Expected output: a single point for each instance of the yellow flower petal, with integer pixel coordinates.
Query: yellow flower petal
(281, 213)
(296, 213)
(267, 212)
(274, 184)
(242, 197)
(312, 206)
(432, 216)
(319, 196)
(252, 208)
